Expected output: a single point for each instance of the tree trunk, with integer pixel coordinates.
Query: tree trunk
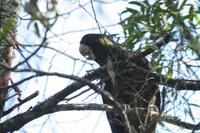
(8, 21)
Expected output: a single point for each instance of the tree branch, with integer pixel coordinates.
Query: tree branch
(20, 120)
(104, 107)
(178, 84)
(22, 101)
(14, 122)
(177, 122)
(41, 109)
(82, 107)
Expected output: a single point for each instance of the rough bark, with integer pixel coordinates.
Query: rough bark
(8, 21)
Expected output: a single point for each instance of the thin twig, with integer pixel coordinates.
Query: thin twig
(21, 102)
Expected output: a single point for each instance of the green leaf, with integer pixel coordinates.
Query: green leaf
(142, 5)
(190, 113)
(182, 4)
(5, 30)
(197, 19)
(132, 10)
(137, 3)
(170, 70)
(158, 68)
(37, 31)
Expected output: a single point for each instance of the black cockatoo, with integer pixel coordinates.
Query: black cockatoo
(130, 88)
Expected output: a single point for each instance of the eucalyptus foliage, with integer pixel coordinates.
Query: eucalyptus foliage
(144, 22)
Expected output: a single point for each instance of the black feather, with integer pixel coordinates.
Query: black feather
(131, 87)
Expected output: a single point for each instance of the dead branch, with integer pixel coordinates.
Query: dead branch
(22, 101)
(39, 110)
(43, 108)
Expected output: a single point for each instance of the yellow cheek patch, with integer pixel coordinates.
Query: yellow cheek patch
(105, 41)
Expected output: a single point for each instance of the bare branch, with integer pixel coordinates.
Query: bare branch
(74, 106)
(39, 110)
(35, 52)
(21, 102)
(176, 121)
(20, 120)
(178, 84)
